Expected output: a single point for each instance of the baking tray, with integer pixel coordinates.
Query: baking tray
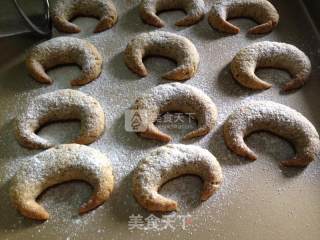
(257, 200)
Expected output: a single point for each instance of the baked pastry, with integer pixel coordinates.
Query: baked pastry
(168, 162)
(65, 10)
(57, 165)
(175, 97)
(167, 45)
(64, 50)
(262, 11)
(60, 105)
(270, 54)
(275, 118)
(195, 10)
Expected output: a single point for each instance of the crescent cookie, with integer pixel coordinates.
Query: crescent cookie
(167, 45)
(64, 50)
(270, 54)
(65, 10)
(275, 118)
(195, 10)
(168, 162)
(57, 165)
(262, 11)
(175, 97)
(60, 105)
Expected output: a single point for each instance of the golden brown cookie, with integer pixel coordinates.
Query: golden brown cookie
(175, 97)
(57, 165)
(167, 45)
(64, 50)
(66, 10)
(168, 162)
(262, 11)
(270, 54)
(275, 118)
(195, 10)
(60, 105)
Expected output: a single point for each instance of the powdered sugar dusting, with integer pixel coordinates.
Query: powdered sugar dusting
(65, 50)
(166, 44)
(60, 105)
(195, 10)
(56, 165)
(278, 119)
(224, 9)
(270, 54)
(65, 10)
(169, 162)
(177, 97)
